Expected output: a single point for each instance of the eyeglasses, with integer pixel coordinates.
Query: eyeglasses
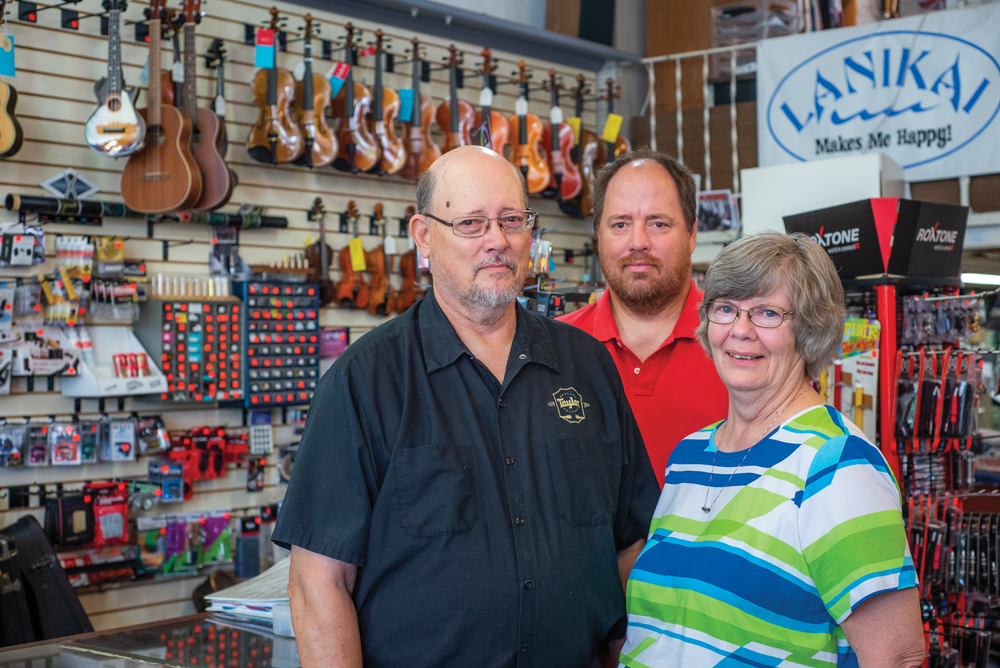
(512, 222)
(724, 313)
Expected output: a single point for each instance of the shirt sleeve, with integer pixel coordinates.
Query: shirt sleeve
(851, 526)
(327, 508)
(639, 491)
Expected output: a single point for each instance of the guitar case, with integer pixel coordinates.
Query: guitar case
(54, 608)
(15, 625)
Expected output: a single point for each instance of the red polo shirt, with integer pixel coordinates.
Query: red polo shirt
(676, 391)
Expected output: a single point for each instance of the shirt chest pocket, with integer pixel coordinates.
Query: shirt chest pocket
(585, 479)
(436, 489)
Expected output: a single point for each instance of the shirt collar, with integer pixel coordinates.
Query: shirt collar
(441, 344)
(606, 329)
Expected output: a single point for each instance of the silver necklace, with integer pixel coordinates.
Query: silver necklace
(708, 507)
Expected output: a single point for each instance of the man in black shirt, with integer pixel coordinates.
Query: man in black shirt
(471, 488)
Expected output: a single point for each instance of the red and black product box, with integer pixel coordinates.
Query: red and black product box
(282, 334)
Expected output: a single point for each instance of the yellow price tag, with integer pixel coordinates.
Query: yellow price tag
(68, 285)
(611, 128)
(357, 255)
(577, 125)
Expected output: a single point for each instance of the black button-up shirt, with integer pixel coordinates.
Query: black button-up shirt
(484, 518)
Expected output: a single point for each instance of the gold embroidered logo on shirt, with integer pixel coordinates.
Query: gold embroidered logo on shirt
(570, 405)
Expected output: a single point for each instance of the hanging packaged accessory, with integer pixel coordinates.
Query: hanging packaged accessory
(37, 445)
(110, 513)
(69, 519)
(12, 444)
(64, 445)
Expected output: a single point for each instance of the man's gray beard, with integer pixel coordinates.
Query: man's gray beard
(491, 303)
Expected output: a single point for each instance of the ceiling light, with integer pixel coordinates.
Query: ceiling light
(981, 279)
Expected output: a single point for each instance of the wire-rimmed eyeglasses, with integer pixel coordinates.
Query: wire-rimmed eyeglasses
(724, 313)
(512, 222)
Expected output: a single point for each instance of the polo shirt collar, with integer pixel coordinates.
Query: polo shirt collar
(441, 344)
(606, 329)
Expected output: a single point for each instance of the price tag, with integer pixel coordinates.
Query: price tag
(389, 245)
(177, 72)
(144, 75)
(337, 76)
(6, 55)
(555, 115)
(577, 125)
(486, 98)
(406, 104)
(300, 71)
(220, 106)
(357, 255)
(611, 128)
(263, 53)
(369, 51)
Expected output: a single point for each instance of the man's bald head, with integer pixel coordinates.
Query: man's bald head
(462, 160)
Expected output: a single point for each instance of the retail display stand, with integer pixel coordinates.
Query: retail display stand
(102, 379)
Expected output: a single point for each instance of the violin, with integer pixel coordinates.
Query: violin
(492, 121)
(408, 273)
(558, 140)
(621, 145)
(352, 290)
(312, 98)
(385, 112)
(421, 149)
(382, 298)
(455, 117)
(11, 135)
(319, 255)
(163, 176)
(526, 132)
(359, 151)
(274, 137)
(588, 157)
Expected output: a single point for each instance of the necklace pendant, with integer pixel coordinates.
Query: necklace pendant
(706, 509)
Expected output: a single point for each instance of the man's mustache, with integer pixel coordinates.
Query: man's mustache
(508, 262)
(642, 258)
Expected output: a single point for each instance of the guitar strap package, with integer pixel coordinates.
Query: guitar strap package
(53, 606)
(69, 520)
(15, 620)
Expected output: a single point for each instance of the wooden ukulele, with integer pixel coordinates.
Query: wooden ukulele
(319, 255)
(172, 89)
(421, 149)
(215, 59)
(621, 145)
(359, 150)
(163, 176)
(455, 117)
(352, 290)
(382, 297)
(493, 122)
(588, 156)
(274, 137)
(114, 129)
(558, 140)
(206, 128)
(11, 135)
(407, 294)
(312, 99)
(385, 112)
(526, 133)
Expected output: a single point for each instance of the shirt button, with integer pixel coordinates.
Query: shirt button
(637, 370)
(502, 403)
(522, 357)
(519, 521)
(510, 461)
(524, 647)
(527, 584)
(618, 343)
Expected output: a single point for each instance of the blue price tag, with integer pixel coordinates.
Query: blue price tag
(263, 53)
(406, 104)
(338, 75)
(6, 55)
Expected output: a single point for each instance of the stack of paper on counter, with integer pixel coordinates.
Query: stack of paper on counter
(250, 602)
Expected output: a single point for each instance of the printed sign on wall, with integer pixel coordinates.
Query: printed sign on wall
(924, 90)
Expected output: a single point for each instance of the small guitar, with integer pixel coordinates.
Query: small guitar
(171, 88)
(421, 151)
(359, 150)
(455, 117)
(161, 177)
(352, 290)
(114, 129)
(385, 111)
(215, 60)
(621, 145)
(588, 156)
(492, 121)
(558, 140)
(274, 137)
(312, 99)
(11, 135)
(319, 255)
(382, 298)
(526, 136)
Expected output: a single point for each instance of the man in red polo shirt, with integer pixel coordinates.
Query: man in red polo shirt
(644, 219)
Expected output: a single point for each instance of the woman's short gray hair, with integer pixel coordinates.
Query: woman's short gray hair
(758, 264)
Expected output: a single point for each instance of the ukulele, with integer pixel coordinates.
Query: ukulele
(422, 151)
(319, 255)
(621, 145)
(161, 177)
(274, 137)
(558, 139)
(385, 112)
(172, 89)
(407, 294)
(114, 129)
(359, 150)
(215, 60)
(312, 98)
(206, 128)
(455, 117)
(11, 135)
(588, 156)
(352, 291)
(526, 131)
(382, 298)
(492, 121)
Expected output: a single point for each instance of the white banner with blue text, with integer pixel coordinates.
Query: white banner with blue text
(924, 90)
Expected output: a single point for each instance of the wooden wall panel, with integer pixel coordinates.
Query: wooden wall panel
(56, 71)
